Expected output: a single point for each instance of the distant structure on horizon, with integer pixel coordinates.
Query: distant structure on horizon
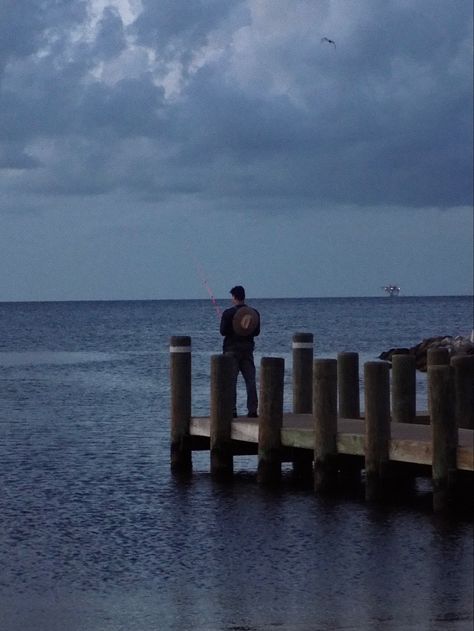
(391, 290)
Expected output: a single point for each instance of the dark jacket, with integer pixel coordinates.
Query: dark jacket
(232, 341)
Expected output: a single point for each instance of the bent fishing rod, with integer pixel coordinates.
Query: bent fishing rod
(204, 281)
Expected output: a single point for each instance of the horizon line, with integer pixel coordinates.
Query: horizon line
(226, 298)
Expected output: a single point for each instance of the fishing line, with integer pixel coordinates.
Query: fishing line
(202, 276)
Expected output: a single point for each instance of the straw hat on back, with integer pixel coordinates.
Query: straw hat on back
(245, 321)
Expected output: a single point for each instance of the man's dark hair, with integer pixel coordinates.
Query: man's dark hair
(238, 292)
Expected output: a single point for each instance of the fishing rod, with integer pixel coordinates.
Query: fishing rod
(211, 295)
(204, 281)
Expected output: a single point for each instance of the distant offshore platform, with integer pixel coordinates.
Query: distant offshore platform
(391, 290)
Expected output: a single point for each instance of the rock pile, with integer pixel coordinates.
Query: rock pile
(458, 345)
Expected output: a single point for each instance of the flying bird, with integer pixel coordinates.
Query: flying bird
(329, 41)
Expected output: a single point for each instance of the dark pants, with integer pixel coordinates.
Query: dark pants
(243, 362)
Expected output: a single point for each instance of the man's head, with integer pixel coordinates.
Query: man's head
(238, 293)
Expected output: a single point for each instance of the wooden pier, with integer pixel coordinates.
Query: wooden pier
(325, 436)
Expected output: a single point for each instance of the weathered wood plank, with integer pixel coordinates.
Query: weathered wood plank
(410, 442)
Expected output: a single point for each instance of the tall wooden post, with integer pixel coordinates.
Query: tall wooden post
(445, 435)
(403, 388)
(348, 384)
(325, 424)
(180, 377)
(437, 357)
(302, 346)
(377, 429)
(272, 371)
(463, 366)
(222, 384)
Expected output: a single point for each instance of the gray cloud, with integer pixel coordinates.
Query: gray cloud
(110, 40)
(14, 157)
(26, 27)
(176, 27)
(240, 101)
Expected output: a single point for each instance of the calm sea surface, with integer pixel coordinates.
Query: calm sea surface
(96, 535)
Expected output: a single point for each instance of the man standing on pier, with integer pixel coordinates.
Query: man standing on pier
(239, 325)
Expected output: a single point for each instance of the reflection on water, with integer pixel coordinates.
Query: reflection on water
(137, 552)
(95, 535)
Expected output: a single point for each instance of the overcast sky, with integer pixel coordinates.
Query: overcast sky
(146, 144)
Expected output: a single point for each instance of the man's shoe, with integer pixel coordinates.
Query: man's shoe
(252, 415)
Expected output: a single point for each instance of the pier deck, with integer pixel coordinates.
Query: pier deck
(410, 442)
(326, 437)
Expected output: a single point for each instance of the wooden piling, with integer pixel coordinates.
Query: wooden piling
(348, 384)
(445, 435)
(463, 366)
(325, 424)
(377, 429)
(348, 387)
(180, 377)
(437, 357)
(272, 371)
(222, 400)
(303, 348)
(394, 453)
(403, 388)
(403, 411)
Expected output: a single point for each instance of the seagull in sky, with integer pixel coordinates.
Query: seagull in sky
(329, 41)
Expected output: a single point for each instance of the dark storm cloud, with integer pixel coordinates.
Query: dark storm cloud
(25, 24)
(241, 101)
(178, 26)
(110, 39)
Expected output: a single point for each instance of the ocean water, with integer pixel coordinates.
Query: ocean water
(96, 535)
